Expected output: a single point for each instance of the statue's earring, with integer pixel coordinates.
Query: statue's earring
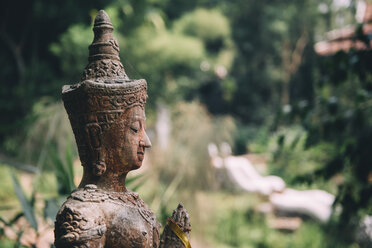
(99, 168)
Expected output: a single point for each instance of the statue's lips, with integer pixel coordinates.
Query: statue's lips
(140, 155)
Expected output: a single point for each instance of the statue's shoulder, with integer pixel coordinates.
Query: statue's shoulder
(78, 222)
(90, 193)
(133, 199)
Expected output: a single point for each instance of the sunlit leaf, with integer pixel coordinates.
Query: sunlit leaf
(27, 208)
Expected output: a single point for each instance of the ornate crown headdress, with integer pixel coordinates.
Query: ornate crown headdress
(104, 93)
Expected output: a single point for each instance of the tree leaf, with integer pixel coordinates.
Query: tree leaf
(27, 208)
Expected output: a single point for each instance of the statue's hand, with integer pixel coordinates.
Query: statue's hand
(177, 230)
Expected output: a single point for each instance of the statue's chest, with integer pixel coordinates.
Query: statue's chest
(130, 227)
(129, 222)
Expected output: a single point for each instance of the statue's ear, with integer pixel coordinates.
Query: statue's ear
(97, 153)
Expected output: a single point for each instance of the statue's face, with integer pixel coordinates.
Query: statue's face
(126, 141)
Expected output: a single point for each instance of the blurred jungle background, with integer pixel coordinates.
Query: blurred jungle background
(283, 88)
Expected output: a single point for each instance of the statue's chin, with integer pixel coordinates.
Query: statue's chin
(137, 165)
(140, 157)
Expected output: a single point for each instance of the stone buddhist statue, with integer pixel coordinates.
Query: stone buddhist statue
(106, 111)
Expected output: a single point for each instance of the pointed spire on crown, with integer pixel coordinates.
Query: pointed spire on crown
(102, 19)
(104, 60)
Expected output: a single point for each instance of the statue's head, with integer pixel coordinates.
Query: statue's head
(106, 109)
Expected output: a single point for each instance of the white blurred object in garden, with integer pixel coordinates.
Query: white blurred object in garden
(163, 126)
(242, 173)
(316, 204)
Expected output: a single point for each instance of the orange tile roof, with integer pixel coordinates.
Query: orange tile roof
(345, 38)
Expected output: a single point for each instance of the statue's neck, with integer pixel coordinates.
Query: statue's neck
(108, 181)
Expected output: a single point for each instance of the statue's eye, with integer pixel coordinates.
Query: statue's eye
(135, 126)
(134, 129)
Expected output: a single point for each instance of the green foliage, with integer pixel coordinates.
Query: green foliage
(135, 182)
(187, 156)
(172, 57)
(72, 51)
(27, 205)
(243, 227)
(7, 243)
(6, 192)
(176, 50)
(346, 122)
(208, 25)
(168, 60)
(290, 158)
(183, 167)
(64, 170)
(341, 118)
(251, 139)
(29, 71)
(227, 55)
(228, 231)
(165, 51)
(262, 35)
(48, 145)
(50, 130)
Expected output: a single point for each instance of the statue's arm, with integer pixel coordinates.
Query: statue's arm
(174, 237)
(77, 226)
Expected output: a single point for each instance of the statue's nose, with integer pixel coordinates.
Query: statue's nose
(146, 141)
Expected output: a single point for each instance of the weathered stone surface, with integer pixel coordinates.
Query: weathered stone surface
(106, 111)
